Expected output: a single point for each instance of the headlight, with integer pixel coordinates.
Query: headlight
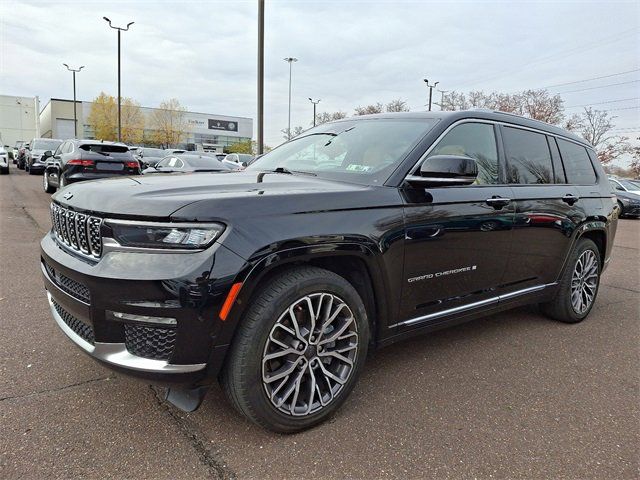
(191, 236)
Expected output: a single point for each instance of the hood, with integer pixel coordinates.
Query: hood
(628, 195)
(216, 194)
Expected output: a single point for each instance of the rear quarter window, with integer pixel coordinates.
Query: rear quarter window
(577, 164)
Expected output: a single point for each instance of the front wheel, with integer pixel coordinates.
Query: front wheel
(578, 286)
(45, 183)
(299, 350)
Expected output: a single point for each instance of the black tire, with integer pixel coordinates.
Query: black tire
(4, 171)
(45, 183)
(621, 207)
(242, 375)
(561, 307)
(31, 172)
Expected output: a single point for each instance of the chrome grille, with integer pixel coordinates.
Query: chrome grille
(78, 231)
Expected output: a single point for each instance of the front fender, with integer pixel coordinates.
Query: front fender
(257, 269)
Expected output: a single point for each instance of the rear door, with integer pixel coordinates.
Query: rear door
(457, 238)
(548, 209)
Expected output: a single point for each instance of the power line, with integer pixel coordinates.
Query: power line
(602, 103)
(599, 86)
(592, 78)
(562, 54)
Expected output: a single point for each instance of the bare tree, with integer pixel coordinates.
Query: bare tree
(536, 104)
(635, 161)
(397, 105)
(294, 132)
(325, 117)
(370, 109)
(595, 127)
(169, 123)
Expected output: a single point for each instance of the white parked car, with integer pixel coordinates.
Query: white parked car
(4, 161)
(238, 161)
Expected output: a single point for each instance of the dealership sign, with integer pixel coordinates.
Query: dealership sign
(222, 125)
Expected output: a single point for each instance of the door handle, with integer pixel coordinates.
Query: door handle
(498, 202)
(570, 199)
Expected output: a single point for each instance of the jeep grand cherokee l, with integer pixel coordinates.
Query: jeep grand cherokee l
(278, 279)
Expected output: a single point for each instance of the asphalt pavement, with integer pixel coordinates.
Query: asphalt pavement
(513, 395)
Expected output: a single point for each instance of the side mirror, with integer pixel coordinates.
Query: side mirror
(244, 164)
(47, 154)
(445, 170)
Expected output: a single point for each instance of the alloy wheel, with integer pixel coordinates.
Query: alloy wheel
(584, 282)
(310, 354)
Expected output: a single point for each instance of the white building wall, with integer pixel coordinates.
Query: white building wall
(17, 119)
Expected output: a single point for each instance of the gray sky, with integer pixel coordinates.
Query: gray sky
(350, 53)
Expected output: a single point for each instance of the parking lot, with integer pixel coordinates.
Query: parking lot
(511, 396)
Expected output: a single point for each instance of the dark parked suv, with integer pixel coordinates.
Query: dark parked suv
(78, 160)
(277, 280)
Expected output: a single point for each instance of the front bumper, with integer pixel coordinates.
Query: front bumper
(189, 290)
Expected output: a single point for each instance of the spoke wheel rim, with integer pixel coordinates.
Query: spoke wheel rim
(584, 282)
(310, 354)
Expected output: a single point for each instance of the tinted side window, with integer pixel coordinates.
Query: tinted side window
(475, 140)
(60, 149)
(576, 163)
(528, 157)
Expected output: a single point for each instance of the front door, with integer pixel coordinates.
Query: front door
(457, 239)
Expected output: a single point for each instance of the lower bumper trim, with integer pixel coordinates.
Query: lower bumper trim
(116, 353)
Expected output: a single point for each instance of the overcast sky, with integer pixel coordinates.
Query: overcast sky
(350, 53)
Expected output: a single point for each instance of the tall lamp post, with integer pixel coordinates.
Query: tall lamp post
(260, 77)
(75, 119)
(119, 29)
(290, 60)
(314, 109)
(431, 87)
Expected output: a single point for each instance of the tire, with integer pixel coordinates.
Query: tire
(245, 375)
(4, 171)
(45, 183)
(31, 172)
(563, 307)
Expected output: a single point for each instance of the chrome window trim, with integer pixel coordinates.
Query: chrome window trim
(117, 354)
(494, 122)
(471, 306)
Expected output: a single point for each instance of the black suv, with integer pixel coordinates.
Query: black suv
(78, 160)
(277, 280)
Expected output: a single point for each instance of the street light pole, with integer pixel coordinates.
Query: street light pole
(431, 87)
(75, 119)
(260, 77)
(290, 60)
(119, 29)
(314, 109)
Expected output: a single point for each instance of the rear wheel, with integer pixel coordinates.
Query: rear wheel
(578, 286)
(4, 171)
(299, 350)
(45, 183)
(621, 207)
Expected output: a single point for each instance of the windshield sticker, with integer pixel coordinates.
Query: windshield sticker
(353, 167)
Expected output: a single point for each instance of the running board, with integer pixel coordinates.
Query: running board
(472, 306)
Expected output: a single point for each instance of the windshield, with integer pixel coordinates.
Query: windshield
(45, 144)
(153, 152)
(629, 184)
(206, 162)
(360, 151)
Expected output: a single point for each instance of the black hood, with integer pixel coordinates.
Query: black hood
(214, 195)
(627, 195)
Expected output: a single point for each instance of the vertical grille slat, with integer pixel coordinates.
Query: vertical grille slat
(79, 231)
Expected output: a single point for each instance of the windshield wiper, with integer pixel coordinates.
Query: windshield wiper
(291, 172)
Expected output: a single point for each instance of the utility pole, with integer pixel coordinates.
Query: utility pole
(75, 119)
(442, 92)
(314, 109)
(290, 60)
(431, 87)
(260, 77)
(119, 29)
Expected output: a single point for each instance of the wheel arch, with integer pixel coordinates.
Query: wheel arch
(356, 263)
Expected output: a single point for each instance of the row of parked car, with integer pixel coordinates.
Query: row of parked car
(67, 161)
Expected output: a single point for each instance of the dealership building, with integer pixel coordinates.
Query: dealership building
(209, 129)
